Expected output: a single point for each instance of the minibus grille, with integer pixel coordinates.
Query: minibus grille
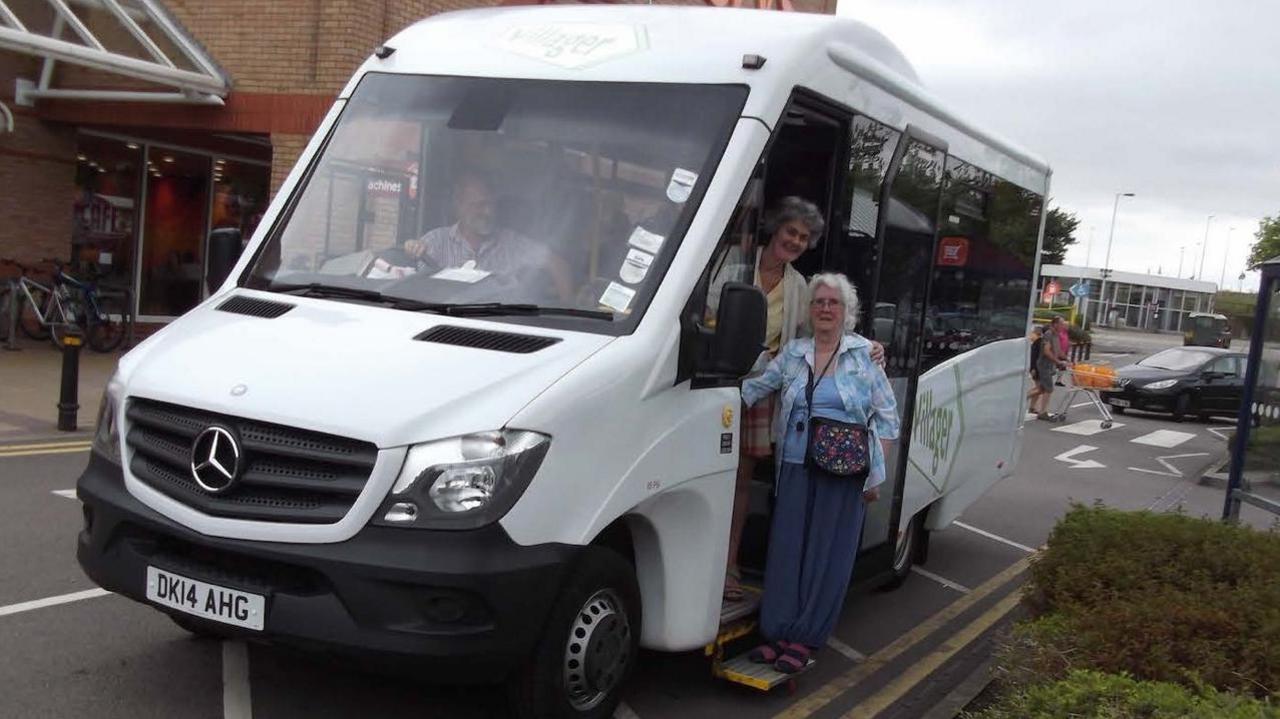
(283, 474)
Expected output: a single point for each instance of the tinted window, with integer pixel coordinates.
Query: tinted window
(984, 263)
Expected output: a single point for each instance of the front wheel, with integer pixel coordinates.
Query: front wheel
(905, 553)
(589, 645)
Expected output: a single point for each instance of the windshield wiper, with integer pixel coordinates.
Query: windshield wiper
(317, 289)
(490, 309)
(464, 309)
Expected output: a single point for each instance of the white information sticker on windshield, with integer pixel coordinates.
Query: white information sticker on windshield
(617, 297)
(646, 240)
(681, 185)
(635, 267)
(466, 273)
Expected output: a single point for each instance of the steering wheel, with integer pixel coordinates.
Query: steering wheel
(400, 258)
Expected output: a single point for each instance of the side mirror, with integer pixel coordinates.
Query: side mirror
(224, 250)
(1210, 374)
(740, 326)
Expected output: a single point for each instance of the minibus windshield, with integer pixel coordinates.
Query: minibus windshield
(545, 202)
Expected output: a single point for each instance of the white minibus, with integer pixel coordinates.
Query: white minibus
(460, 401)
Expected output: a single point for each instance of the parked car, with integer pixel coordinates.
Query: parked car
(1183, 381)
(1207, 330)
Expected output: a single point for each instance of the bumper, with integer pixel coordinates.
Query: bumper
(1150, 400)
(470, 601)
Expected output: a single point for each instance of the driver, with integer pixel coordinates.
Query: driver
(476, 237)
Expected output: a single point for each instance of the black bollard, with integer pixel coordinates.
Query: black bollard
(69, 400)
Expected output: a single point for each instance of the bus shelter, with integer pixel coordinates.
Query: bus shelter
(1255, 456)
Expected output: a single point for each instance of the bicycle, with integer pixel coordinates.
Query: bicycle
(52, 310)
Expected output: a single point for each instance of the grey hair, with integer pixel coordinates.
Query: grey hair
(848, 296)
(799, 209)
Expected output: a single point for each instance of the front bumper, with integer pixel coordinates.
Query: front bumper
(469, 603)
(1144, 399)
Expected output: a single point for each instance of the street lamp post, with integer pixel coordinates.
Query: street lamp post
(1106, 266)
(1181, 250)
(1203, 247)
(1226, 253)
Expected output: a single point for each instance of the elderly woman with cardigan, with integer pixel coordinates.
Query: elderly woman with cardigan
(817, 518)
(793, 226)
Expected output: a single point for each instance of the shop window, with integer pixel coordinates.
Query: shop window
(176, 220)
(105, 208)
(240, 194)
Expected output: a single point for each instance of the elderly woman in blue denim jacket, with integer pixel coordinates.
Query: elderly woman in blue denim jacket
(817, 519)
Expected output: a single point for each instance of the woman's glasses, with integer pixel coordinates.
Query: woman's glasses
(825, 302)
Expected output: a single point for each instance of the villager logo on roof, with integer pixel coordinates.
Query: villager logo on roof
(574, 45)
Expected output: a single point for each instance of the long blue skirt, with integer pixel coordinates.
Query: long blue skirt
(817, 525)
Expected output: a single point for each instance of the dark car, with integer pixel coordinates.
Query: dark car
(1184, 381)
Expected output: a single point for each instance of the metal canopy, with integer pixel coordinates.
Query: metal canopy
(166, 55)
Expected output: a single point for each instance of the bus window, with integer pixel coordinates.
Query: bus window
(984, 264)
(853, 249)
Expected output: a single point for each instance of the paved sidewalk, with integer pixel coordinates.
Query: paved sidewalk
(30, 380)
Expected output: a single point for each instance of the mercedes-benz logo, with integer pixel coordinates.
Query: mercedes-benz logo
(215, 459)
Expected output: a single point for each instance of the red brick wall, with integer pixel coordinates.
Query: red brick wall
(37, 184)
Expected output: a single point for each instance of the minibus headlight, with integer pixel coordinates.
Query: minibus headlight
(463, 482)
(106, 436)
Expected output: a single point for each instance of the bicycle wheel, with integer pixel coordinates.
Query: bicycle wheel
(107, 326)
(62, 316)
(28, 319)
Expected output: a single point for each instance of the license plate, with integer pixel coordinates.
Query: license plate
(1120, 402)
(208, 601)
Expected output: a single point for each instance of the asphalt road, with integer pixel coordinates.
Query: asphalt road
(104, 656)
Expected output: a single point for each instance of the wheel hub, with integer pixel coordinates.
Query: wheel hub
(597, 651)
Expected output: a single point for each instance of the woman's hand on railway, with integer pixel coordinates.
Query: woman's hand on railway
(871, 495)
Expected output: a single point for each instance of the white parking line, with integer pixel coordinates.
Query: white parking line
(1222, 433)
(1164, 438)
(52, 601)
(68, 493)
(236, 700)
(996, 537)
(941, 580)
(624, 712)
(849, 652)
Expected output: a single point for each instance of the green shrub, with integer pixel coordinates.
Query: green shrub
(1157, 596)
(1086, 693)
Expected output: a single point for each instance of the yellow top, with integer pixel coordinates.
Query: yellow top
(773, 325)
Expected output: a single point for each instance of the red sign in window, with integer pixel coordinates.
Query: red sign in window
(953, 251)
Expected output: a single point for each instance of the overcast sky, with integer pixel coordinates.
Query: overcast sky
(1177, 102)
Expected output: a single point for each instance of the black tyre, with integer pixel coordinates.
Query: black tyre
(109, 325)
(904, 555)
(588, 647)
(1181, 407)
(28, 320)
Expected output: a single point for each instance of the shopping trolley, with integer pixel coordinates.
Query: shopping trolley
(1087, 379)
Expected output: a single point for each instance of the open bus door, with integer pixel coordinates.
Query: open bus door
(895, 270)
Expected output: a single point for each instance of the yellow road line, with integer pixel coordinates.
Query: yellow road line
(846, 681)
(33, 452)
(921, 670)
(47, 445)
